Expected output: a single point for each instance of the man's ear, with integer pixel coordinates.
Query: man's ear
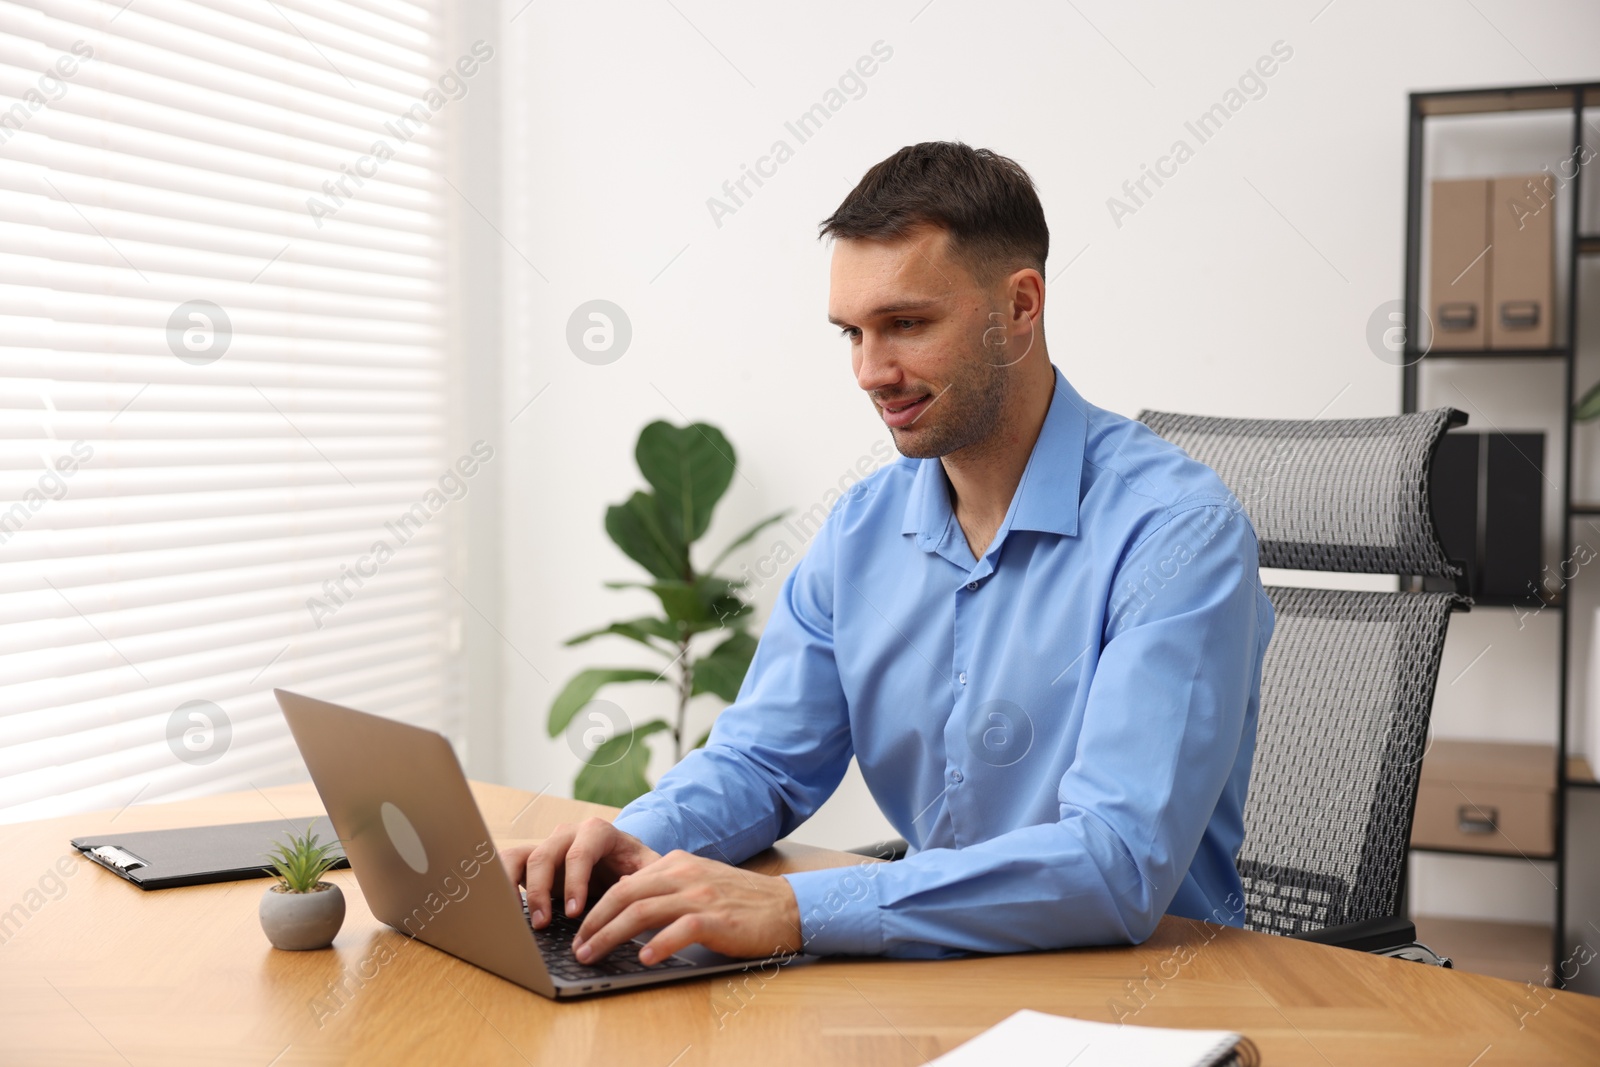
(1025, 295)
(1023, 302)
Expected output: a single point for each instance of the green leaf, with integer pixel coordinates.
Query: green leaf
(725, 613)
(640, 630)
(707, 603)
(678, 598)
(745, 538)
(614, 774)
(689, 467)
(1589, 407)
(636, 527)
(582, 688)
(722, 671)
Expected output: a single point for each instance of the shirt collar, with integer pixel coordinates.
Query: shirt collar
(1046, 499)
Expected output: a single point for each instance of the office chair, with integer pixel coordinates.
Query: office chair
(1348, 681)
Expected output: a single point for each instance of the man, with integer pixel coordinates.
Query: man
(1040, 634)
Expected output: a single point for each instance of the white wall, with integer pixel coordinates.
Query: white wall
(1243, 286)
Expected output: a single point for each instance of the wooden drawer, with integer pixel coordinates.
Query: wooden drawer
(1480, 796)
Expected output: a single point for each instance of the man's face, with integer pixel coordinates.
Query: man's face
(916, 321)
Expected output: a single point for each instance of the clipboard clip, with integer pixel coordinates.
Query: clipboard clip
(120, 858)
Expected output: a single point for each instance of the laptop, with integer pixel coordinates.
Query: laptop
(398, 800)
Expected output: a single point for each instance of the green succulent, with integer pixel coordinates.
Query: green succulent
(302, 862)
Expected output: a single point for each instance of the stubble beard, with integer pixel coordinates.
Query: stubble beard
(970, 409)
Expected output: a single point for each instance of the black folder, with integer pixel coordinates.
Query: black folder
(196, 855)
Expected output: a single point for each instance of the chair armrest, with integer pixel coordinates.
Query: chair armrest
(1369, 935)
(894, 848)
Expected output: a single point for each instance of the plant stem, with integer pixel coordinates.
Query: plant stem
(685, 688)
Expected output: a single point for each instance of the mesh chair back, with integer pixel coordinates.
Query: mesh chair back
(1348, 681)
(1327, 495)
(1346, 694)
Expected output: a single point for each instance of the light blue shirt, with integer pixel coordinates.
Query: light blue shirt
(1062, 730)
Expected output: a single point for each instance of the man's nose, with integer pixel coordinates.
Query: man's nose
(875, 367)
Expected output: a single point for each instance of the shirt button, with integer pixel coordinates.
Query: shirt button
(962, 677)
(955, 777)
(972, 585)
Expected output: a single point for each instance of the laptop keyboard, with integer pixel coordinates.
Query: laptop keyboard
(555, 943)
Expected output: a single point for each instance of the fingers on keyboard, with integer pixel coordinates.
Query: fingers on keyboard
(555, 943)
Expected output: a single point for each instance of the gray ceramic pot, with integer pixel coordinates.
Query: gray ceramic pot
(302, 920)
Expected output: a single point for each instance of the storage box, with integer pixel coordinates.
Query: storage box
(1458, 263)
(1522, 278)
(1487, 796)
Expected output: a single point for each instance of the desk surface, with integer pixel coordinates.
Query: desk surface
(93, 970)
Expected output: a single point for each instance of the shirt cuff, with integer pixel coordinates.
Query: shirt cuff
(649, 827)
(840, 912)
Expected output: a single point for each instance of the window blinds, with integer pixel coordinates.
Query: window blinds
(222, 358)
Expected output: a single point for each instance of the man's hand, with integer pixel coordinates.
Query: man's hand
(591, 855)
(693, 901)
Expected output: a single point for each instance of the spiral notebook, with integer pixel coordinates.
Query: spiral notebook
(196, 855)
(1034, 1037)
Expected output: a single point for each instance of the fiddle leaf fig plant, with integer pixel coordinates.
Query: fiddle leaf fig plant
(700, 634)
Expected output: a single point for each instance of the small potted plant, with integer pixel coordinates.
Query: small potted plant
(301, 911)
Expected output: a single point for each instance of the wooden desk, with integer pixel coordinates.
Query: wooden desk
(97, 971)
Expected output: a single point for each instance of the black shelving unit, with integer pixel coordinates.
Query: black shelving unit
(1572, 98)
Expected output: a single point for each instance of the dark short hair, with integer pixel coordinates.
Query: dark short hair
(986, 202)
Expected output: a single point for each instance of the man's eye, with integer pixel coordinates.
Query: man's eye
(848, 331)
(905, 323)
